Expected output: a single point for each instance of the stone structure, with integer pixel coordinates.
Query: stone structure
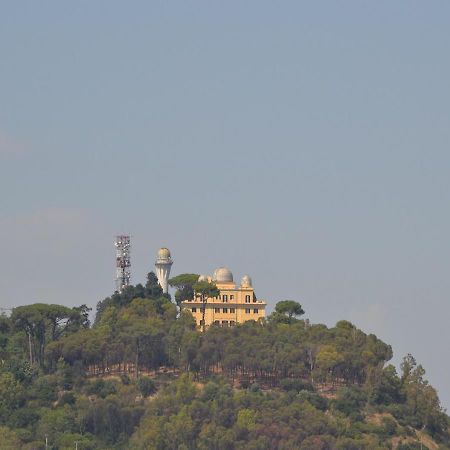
(163, 265)
(235, 304)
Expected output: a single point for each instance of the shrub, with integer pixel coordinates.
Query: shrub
(146, 386)
(295, 384)
(316, 400)
(101, 388)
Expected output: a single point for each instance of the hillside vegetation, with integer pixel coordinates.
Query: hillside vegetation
(143, 377)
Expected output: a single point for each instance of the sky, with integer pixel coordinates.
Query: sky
(303, 143)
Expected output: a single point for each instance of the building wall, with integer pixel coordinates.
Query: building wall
(234, 305)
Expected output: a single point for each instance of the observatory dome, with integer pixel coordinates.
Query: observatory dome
(163, 253)
(223, 275)
(246, 281)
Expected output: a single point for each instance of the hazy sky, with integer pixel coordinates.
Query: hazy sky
(306, 143)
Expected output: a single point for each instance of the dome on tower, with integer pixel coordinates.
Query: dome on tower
(223, 275)
(163, 253)
(246, 281)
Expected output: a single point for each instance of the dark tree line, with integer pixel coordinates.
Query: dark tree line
(277, 383)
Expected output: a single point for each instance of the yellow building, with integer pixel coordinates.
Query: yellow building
(235, 304)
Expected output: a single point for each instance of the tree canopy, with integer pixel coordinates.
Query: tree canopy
(287, 311)
(183, 284)
(143, 377)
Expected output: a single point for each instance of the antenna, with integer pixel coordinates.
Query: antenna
(123, 264)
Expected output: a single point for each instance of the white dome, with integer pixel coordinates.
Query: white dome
(223, 275)
(163, 253)
(246, 281)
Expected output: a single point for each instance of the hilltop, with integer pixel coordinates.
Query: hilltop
(143, 377)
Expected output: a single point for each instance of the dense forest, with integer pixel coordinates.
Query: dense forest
(141, 376)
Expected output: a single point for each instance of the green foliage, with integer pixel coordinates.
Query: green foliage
(11, 395)
(9, 439)
(412, 446)
(287, 310)
(184, 286)
(146, 386)
(302, 386)
(46, 323)
(203, 290)
(351, 401)
(295, 384)
(101, 388)
(151, 291)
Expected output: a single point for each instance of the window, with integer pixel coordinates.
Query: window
(224, 323)
(217, 310)
(194, 309)
(247, 299)
(255, 311)
(202, 322)
(231, 297)
(232, 323)
(225, 310)
(247, 310)
(217, 322)
(232, 310)
(225, 298)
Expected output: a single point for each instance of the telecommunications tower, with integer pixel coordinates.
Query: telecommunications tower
(123, 264)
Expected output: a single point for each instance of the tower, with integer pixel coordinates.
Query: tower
(123, 264)
(163, 264)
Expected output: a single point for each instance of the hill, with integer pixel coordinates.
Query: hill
(143, 377)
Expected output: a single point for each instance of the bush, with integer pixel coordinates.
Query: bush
(44, 389)
(68, 398)
(316, 400)
(146, 386)
(350, 401)
(101, 388)
(412, 446)
(389, 426)
(125, 379)
(295, 384)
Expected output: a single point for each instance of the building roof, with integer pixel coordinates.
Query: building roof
(163, 253)
(223, 275)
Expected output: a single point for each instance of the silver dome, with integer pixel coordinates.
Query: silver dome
(246, 281)
(223, 275)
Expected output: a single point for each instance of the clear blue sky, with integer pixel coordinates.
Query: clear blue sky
(306, 143)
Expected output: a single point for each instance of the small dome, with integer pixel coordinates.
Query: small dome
(203, 278)
(223, 275)
(163, 253)
(246, 281)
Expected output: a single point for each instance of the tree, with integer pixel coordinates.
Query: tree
(184, 285)
(151, 291)
(422, 402)
(9, 439)
(11, 395)
(42, 323)
(289, 309)
(204, 290)
(146, 386)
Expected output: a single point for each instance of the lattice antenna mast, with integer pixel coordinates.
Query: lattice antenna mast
(123, 263)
